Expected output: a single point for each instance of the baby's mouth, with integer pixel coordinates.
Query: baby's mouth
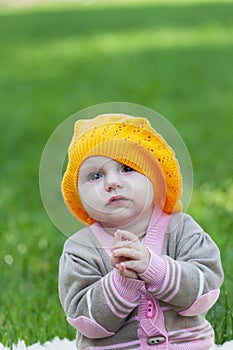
(117, 200)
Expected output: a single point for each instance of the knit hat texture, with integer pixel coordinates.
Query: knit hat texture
(131, 141)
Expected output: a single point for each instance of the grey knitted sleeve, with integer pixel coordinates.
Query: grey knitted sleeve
(96, 298)
(193, 273)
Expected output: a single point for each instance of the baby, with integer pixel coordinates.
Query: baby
(141, 274)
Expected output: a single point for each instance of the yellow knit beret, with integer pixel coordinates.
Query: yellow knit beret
(131, 141)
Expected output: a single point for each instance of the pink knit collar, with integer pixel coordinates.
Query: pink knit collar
(153, 239)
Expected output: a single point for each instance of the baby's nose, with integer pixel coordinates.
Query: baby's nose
(113, 182)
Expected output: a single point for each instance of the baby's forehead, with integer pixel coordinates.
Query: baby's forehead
(96, 162)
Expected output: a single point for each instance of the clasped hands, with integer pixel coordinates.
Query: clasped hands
(129, 255)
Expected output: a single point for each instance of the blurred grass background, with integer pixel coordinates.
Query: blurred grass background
(56, 59)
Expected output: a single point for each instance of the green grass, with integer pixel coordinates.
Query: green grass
(174, 57)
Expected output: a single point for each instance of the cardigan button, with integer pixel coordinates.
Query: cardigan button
(150, 312)
(156, 340)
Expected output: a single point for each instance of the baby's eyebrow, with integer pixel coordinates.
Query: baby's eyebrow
(90, 169)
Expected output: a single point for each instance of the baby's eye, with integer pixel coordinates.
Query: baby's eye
(94, 176)
(127, 169)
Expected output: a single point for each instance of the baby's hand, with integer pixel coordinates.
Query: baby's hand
(126, 272)
(129, 254)
(118, 262)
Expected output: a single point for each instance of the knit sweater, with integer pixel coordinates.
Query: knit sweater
(164, 309)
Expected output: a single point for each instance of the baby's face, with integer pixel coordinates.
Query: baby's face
(113, 193)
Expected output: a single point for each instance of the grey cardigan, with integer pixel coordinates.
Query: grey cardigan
(164, 309)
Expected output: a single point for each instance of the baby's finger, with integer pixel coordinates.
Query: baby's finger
(117, 237)
(128, 244)
(114, 260)
(138, 266)
(126, 235)
(125, 272)
(126, 252)
(122, 244)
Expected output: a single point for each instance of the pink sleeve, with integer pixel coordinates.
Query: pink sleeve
(155, 273)
(202, 304)
(89, 328)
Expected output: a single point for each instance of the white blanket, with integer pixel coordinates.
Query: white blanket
(58, 344)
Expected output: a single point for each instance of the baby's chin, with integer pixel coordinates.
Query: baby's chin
(128, 225)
